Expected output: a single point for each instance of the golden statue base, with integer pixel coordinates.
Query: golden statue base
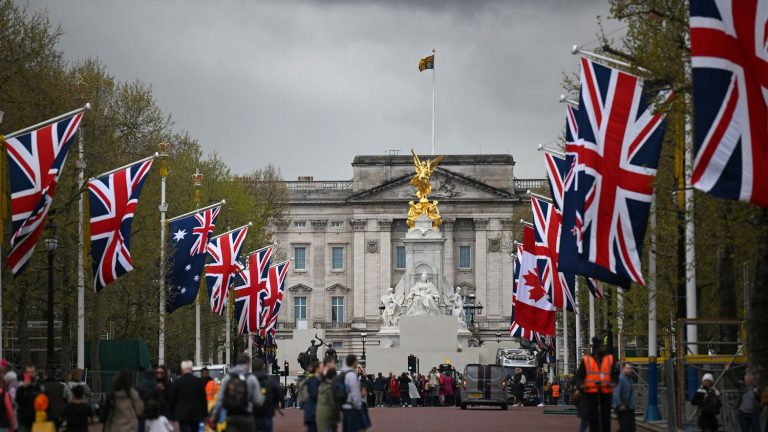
(424, 207)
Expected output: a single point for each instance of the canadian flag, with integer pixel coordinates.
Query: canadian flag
(533, 309)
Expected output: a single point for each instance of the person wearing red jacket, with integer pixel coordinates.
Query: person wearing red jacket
(394, 391)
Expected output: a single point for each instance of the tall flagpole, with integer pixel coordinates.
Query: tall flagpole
(591, 318)
(163, 208)
(433, 102)
(691, 307)
(198, 179)
(577, 321)
(227, 354)
(566, 355)
(80, 256)
(652, 412)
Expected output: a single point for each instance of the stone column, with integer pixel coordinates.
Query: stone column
(358, 289)
(320, 307)
(507, 226)
(449, 268)
(384, 268)
(481, 263)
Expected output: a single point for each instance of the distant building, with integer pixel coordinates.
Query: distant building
(345, 239)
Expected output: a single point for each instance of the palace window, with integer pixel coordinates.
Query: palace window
(465, 257)
(337, 224)
(299, 308)
(337, 309)
(300, 224)
(337, 258)
(300, 258)
(400, 257)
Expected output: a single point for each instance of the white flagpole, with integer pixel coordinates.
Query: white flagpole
(591, 318)
(227, 324)
(163, 208)
(620, 321)
(198, 179)
(577, 320)
(566, 355)
(81, 257)
(433, 102)
(691, 306)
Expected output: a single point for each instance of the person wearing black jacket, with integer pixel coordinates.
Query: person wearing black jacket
(187, 403)
(162, 390)
(273, 395)
(379, 388)
(25, 399)
(310, 388)
(405, 396)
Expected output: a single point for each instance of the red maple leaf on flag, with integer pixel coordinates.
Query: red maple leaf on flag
(536, 292)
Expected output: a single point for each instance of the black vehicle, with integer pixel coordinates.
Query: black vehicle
(483, 385)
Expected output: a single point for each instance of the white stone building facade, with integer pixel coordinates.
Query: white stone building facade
(346, 242)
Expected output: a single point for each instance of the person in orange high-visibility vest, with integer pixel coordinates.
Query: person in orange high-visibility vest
(555, 392)
(595, 379)
(211, 390)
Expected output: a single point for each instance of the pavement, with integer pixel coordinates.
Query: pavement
(448, 419)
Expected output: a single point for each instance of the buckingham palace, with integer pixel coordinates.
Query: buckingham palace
(346, 241)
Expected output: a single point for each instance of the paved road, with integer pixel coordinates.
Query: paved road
(450, 419)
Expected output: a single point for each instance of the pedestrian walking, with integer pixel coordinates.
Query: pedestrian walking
(394, 390)
(265, 413)
(351, 409)
(7, 415)
(434, 385)
(448, 388)
(308, 394)
(379, 387)
(413, 391)
(57, 398)
(187, 401)
(596, 378)
(155, 420)
(76, 380)
(707, 398)
(518, 386)
(547, 393)
(624, 400)
(405, 395)
(748, 405)
(25, 398)
(327, 414)
(292, 392)
(555, 393)
(123, 406)
(162, 389)
(78, 411)
(238, 395)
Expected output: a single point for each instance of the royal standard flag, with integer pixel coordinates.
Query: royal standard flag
(427, 63)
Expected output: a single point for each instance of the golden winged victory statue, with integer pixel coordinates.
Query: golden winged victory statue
(424, 170)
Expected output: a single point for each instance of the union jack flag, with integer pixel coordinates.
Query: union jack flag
(272, 302)
(250, 289)
(35, 162)
(113, 201)
(730, 89)
(224, 250)
(621, 135)
(560, 286)
(560, 172)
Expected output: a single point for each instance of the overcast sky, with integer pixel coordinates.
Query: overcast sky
(307, 85)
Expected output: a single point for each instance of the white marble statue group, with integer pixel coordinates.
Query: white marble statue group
(421, 300)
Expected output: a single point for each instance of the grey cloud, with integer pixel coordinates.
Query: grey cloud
(309, 84)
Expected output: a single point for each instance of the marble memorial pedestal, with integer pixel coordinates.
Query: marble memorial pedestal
(432, 339)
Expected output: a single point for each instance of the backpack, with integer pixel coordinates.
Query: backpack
(235, 399)
(339, 389)
(268, 390)
(712, 404)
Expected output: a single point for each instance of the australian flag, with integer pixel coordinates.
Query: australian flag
(188, 240)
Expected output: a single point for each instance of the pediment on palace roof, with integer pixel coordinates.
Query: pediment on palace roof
(446, 186)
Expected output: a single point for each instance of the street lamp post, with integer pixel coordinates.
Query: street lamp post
(51, 243)
(363, 335)
(285, 374)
